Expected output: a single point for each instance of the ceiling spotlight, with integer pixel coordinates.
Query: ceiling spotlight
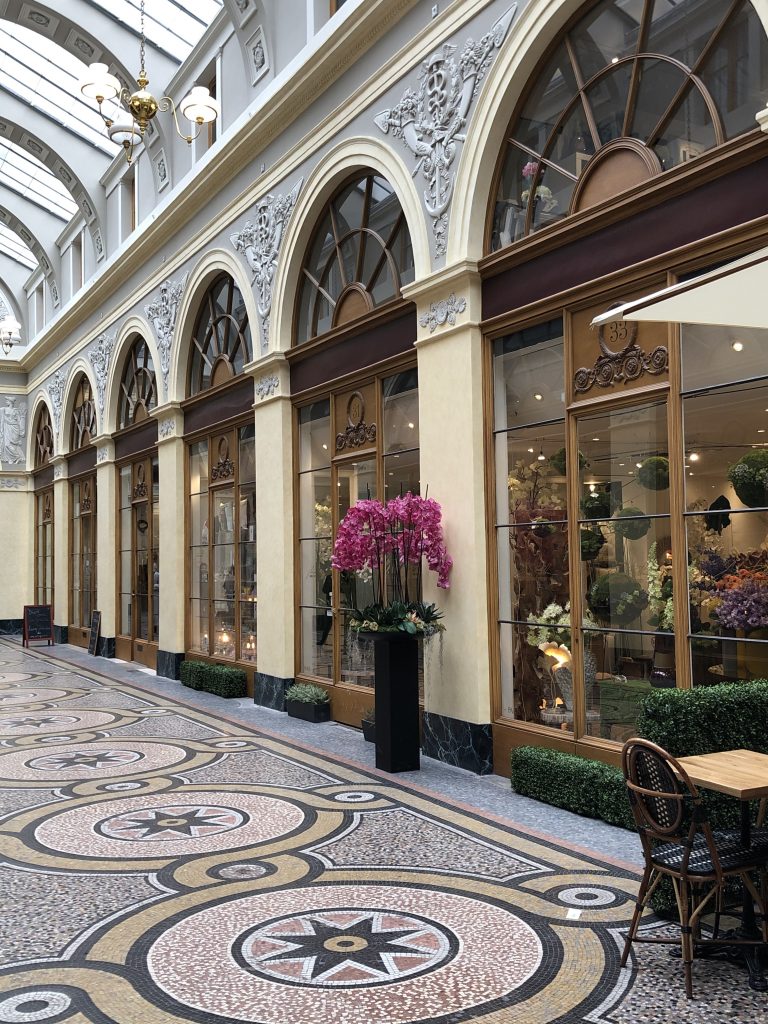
(410, 426)
(761, 430)
(622, 463)
(538, 397)
(531, 450)
(738, 346)
(639, 465)
(592, 488)
(595, 438)
(693, 457)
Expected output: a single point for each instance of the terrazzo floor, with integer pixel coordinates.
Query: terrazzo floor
(169, 857)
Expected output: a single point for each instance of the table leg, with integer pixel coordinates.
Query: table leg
(754, 956)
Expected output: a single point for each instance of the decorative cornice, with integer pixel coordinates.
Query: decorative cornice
(443, 312)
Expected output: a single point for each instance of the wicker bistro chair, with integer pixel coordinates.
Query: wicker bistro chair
(679, 844)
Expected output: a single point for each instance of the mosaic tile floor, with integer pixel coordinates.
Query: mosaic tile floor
(165, 864)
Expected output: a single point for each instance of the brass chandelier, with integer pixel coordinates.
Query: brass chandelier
(130, 125)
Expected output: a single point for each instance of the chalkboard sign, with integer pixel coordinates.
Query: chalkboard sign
(38, 623)
(95, 629)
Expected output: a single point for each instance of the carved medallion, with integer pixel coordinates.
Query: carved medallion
(627, 363)
(358, 432)
(225, 467)
(140, 490)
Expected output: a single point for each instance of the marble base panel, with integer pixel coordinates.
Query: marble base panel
(169, 664)
(11, 627)
(269, 691)
(105, 647)
(61, 634)
(466, 745)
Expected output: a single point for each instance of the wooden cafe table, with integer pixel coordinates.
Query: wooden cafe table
(742, 774)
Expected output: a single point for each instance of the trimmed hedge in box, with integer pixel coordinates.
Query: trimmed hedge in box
(220, 680)
(591, 788)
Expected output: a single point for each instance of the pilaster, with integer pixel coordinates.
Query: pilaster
(61, 517)
(170, 458)
(106, 542)
(18, 516)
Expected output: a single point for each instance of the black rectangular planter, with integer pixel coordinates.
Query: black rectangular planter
(369, 730)
(308, 712)
(396, 662)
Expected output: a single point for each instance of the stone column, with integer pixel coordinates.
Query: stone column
(457, 680)
(106, 543)
(18, 515)
(170, 458)
(274, 530)
(61, 514)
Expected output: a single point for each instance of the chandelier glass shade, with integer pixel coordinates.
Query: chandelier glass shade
(9, 333)
(136, 110)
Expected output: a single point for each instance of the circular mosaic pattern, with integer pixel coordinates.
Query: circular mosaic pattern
(358, 797)
(241, 872)
(89, 760)
(152, 826)
(155, 711)
(33, 723)
(10, 697)
(15, 677)
(345, 948)
(120, 786)
(395, 954)
(35, 1005)
(586, 896)
(173, 821)
(231, 744)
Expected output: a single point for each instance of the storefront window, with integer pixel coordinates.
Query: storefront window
(44, 547)
(726, 501)
(139, 550)
(677, 78)
(83, 551)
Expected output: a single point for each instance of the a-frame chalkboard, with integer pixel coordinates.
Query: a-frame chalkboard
(37, 624)
(95, 630)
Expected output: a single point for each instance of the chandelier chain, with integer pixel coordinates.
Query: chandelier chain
(141, 46)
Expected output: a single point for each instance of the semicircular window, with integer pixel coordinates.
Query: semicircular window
(138, 387)
(359, 257)
(221, 342)
(43, 438)
(631, 89)
(84, 427)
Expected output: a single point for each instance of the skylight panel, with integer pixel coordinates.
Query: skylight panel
(29, 178)
(12, 246)
(174, 27)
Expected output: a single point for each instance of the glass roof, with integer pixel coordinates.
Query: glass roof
(170, 25)
(46, 76)
(25, 175)
(12, 246)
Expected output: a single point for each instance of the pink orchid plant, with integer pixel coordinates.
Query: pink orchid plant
(391, 541)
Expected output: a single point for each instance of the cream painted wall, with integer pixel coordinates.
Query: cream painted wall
(274, 537)
(17, 576)
(170, 457)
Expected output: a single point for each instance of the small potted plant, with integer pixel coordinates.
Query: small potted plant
(368, 723)
(309, 702)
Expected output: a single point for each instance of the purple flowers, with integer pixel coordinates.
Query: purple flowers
(389, 539)
(744, 607)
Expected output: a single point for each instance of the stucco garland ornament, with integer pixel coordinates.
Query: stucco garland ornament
(431, 119)
(267, 386)
(443, 312)
(100, 357)
(56, 395)
(163, 312)
(166, 428)
(259, 241)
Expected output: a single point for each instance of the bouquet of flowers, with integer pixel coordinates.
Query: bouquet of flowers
(391, 541)
(744, 600)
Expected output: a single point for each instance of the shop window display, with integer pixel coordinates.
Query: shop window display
(82, 574)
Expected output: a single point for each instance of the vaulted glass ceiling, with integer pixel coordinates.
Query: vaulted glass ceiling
(174, 27)
(12, 245)
(26, 176)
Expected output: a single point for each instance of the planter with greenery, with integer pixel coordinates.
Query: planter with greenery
(368, 723)
(220, 680)
(308, 702)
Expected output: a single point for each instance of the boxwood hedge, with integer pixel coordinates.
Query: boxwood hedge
(218, 679)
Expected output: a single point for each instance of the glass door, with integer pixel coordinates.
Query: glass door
(44, 547)
(82, 561)
(139, 575)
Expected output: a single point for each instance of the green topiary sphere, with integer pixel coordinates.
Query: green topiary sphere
(591, 542)
(627, 523)
(617, 599)
(558, 461)
(654, 473)
(749, 477)
(596, 505)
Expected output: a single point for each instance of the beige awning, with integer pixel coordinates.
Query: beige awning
(735, 294)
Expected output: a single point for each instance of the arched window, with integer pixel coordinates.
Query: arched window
(138, 387)
(359, 257)
(221, 342)
(631, 89)
(83, 416)
(43, 438)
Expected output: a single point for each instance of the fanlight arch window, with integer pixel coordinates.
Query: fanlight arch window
(43, 438)
(359, 257)
(221, 342)
(84, 427)
(138, 386)
(631, 89)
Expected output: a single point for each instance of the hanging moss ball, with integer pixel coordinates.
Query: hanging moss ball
(617, 599)
(630, 522)
(654, 473)
(596, 505)
(541, 527)
(591, 542)
(749, 477)
(558, 461)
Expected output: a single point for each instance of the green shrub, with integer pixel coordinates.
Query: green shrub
(576, 784)
(307, 693)
(220, 680)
